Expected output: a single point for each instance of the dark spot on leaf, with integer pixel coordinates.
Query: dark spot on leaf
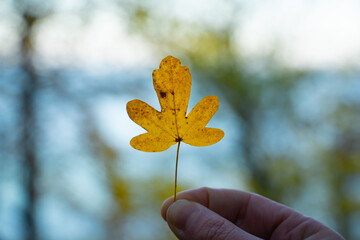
(179, 139)
(172, 92)
(163, 94)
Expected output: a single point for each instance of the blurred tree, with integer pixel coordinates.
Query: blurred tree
(29, 132)
(342, 164)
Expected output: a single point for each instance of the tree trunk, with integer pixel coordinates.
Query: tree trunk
(28, 137)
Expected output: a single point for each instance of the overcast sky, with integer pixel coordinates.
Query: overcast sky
(314, 34)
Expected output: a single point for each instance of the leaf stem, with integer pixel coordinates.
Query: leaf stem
(176, 167)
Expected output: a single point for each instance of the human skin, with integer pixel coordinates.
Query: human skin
(224, 214)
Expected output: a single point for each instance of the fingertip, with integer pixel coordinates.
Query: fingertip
(166, 204)
(195, 195)
(181, 214)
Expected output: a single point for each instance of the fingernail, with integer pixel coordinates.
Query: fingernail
(182, 213)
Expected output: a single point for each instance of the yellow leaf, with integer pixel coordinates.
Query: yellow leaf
(172, 83)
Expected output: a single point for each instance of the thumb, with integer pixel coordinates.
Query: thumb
(192, 221)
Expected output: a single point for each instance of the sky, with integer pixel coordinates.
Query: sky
(310, 34)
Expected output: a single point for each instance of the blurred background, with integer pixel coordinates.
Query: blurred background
(287, 74)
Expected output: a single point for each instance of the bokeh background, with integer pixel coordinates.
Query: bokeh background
(287, 74)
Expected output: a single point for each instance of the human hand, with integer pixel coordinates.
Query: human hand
(224, 214)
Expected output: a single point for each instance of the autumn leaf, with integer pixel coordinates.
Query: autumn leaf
(172, 83)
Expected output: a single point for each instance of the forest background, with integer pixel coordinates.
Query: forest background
(286, 73)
